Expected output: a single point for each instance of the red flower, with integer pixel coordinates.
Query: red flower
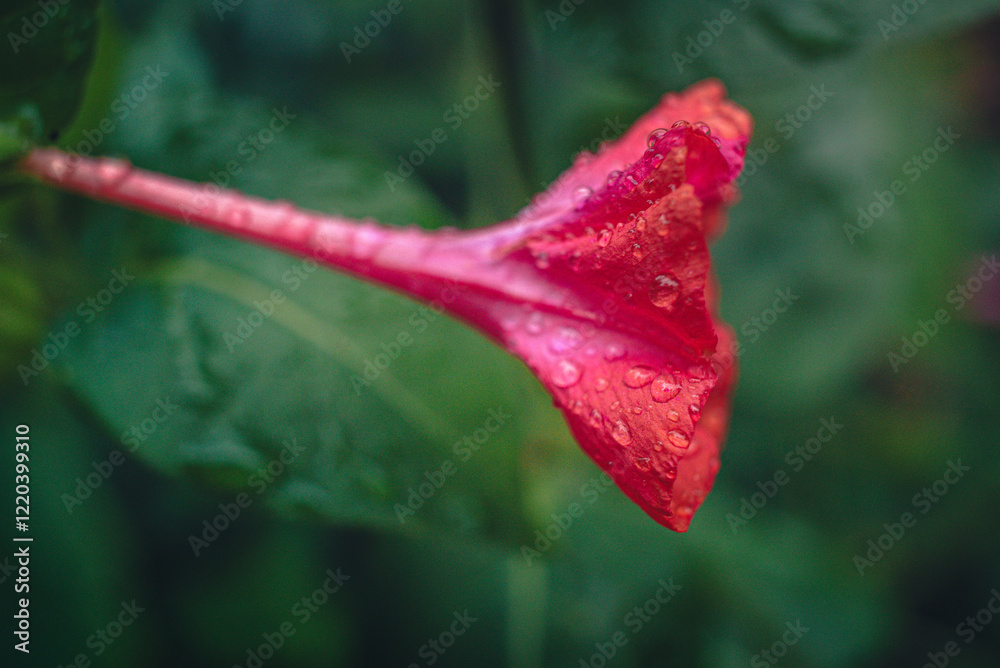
(601, 285)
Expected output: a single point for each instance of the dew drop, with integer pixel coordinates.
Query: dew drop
(601, 384)
(580, 195)
(658, 446)
(640, 376)
(640, 223)
(664, 389)
(637, 410)
(637, 251)
(695, 412)
(673, 416)
(664, 292)
(566, 374)
(670, 473)
(613, 176)
(615, 406)
(679, 439)
(621, 433)
(702, 127)
(614, 352)
(604, 238)
(642, 464)
(631, 179)
(681, 124)
(655, 136)
(566, 339)
(716, 141)
(534, 324)
(113, 172)
(596, 419)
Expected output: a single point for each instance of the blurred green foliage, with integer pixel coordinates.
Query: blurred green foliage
(160, 418)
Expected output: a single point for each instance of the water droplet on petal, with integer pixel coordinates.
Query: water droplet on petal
(716, 141)
(679, 439)
(534, 324)
(566, 374)
(614, 352)
(613, 176)
(664, 389)
(565, 339)
(631, 179)
(596, 419)
(695, 412)
(601, 384)
(673, 416)
(702, 127)
(642, 463)
(604, 238)
(640, 223)
(637, 410)
(640, 376)
(664, 291)
(655, 136)
(670, 473)
(658, 446)
(580, 195)
(680, 124)
(637, 251)
(621, 433)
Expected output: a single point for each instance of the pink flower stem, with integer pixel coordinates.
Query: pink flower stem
(411, 260)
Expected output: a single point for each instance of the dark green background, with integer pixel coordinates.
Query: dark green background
(563, 83)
